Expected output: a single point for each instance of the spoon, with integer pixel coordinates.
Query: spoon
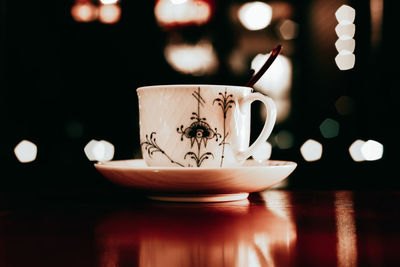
(267, 64)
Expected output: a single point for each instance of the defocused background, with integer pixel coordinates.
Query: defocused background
(70, 69)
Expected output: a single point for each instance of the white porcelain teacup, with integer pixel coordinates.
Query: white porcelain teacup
(199, 125)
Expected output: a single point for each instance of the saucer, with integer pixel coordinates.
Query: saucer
(185, 184)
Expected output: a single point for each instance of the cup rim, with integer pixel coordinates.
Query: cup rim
(143, 88)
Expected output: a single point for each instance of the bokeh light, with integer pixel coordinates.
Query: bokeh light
(355, 150)
(284, 139)
(237, 61)
(199, 59)
(311, 150)
(108, 2)
(345, 60)
(329, 128)
(345, 30)
(372, 150)
(84, 12)
(89, 148)
(348, 44)
(376, 8)
(276, 82)
(177, 2)
(262, 152)
(255, 15)
(283, 108)
(109, 14)
(25, 151)
(345, 14)
(288, 29)
(99, 150)
(180, 12)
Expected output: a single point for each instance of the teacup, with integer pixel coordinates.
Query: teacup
(199, 125)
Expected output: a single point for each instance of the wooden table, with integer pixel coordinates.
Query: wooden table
(271, 228)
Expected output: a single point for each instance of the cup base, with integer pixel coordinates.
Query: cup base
(200, 198)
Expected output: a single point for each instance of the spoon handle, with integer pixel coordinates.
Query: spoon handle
(266, 65)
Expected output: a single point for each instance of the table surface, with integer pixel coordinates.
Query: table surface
(271, 228)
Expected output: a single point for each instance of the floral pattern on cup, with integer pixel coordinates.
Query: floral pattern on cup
(225, 102)
(199, 132)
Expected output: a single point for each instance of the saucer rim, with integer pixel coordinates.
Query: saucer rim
(202, 182)
(111, 164)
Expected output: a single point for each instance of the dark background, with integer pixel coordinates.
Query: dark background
(64, 83)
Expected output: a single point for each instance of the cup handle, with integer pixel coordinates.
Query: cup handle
(268, 125)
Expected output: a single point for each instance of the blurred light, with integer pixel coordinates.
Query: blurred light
(262, 152)
(177, 2)
(282, 185)
(261, 251)
(198, 59)
(108, 2)
(345, 30)
(277, 81)
(345, 14)
(255, 15)
(108, 150)
(311, 150)
(347, 44)
(109, 14)
(283, 107)
(278, 202)
(376, 7)
(237, 62)
(372, 150)
(346, 229)
(345, 60)
(89, 149)
(289, 29)
(355, 150)
(99, 150)
(329, 128)
(25, 151)
(344, 105)
(284, 139)
(181, 12)
(84, 12)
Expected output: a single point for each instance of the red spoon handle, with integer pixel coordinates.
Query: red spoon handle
(267, 64)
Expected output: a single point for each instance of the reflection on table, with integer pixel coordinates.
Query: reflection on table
(271, 228)
(223, 234)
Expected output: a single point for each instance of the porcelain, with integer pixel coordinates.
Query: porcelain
(186, 184)
(199, 125)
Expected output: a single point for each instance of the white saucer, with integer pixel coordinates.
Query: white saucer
(185, 184)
